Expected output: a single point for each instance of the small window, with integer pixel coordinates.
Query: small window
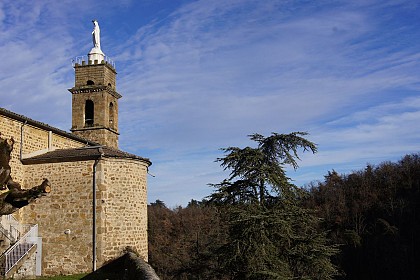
(111, 115)
(90, 83)
(89, 113)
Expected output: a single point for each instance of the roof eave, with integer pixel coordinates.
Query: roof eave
(32, 161)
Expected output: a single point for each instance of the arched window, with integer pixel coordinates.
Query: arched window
(89, 113)
(90, 83)
(111, 115)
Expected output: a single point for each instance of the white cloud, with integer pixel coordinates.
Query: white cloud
(211, 72)
(211, 89)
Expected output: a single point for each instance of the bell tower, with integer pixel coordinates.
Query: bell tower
(94, 96)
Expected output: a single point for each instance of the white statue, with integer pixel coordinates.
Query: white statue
(96, 35)
(96, 52)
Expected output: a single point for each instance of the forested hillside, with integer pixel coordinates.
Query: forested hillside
(374, 214)
(363, 225)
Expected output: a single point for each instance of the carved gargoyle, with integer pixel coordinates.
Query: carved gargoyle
(16, 197)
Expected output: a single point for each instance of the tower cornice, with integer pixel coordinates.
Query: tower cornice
(94, 127)
(90, 89)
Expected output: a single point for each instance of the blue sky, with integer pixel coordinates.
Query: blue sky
(197, 76)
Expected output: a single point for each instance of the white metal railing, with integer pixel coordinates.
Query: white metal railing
(84, 58)
(12, 228)
(16, 252)
(6, 234)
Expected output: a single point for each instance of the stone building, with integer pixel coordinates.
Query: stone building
(98, 203)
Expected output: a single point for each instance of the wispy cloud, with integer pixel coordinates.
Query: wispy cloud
(205, 74)
(211, 83)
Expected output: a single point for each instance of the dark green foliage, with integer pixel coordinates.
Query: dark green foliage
(276, 243)
(257, 174)
(270, 236)
(260, 226)
(374, 213)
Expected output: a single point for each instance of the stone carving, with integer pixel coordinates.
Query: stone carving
(16, 197)
(96, 35)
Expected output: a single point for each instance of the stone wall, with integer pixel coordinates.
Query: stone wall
(121, 202)
(34, 139)
(123, 194)
(28, 268)
(121, 212)
(101, 102)
(104, 129)
(100, 74)
(102, 136)
(67, 207)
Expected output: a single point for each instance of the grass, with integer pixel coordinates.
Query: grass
(63, 277)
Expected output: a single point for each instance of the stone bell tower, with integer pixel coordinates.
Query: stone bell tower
(94, 96)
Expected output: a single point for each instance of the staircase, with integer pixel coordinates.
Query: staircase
(23, 241)
(10, 231)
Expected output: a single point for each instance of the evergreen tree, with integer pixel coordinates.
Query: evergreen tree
(271, 236)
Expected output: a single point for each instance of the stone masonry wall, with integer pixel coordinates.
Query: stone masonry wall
(121, 203)
(123, 190)
(101, 116)
(35, 139)
(27, 270)
(100, 74)
(104, 129)
(102, 136)
(67, 207)
(121, 212)
(105, 117)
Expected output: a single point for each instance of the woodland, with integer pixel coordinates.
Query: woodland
(256, 224)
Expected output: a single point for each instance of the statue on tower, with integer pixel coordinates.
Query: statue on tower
(96, 52)
(96, 35)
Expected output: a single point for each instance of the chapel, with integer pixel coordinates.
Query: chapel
(98, 201)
